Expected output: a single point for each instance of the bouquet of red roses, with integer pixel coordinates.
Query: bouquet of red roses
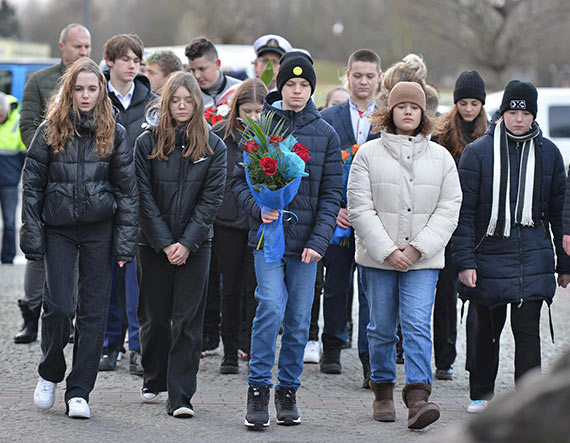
(274, 165)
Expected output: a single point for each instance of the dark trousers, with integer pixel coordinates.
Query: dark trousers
(525, 323)
(339, 264)
(316, 308)
(213, 298)
(85, 249)
(445, 315)
(238, 275)
(8, 205)
(171, 311)
(123, 308)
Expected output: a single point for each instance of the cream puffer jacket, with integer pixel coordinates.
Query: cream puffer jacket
(403, 190)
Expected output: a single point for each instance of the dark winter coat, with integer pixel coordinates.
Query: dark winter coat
(133, 117)
(75, 187)
(521, 267)
(179, 199)
(318, 199)
(231, 215)
(39, 88)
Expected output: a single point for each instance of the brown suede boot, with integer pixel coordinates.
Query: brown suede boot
(421, 413)
(383, 405)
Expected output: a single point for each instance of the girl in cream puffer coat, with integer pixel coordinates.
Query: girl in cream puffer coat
(404, 198)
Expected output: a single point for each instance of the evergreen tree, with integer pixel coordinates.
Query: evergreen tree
(9, 26)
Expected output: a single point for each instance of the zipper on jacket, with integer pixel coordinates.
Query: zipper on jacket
(179, 191)
(520, 244)
(480, 241)
(80, 202)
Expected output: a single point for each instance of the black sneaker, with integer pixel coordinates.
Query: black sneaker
(257, 416)
(286, 407)
(135, 365)
(108, 360)
(229, 364)
(444, 374)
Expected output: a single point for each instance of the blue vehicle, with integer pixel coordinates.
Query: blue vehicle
(15, 72)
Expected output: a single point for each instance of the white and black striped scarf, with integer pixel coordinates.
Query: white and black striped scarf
(528, 193)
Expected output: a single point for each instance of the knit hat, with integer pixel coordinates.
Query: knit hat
(293, 65)
(519, 96)
(404, 92)
(469, 84)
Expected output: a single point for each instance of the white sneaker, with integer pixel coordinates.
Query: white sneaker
(44, 395)
(149, 396)
(312, 352)
(477, 406)
(183, 412)
(78, 408)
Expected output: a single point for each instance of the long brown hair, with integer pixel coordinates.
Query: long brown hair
(384, 119)
(251, 90)
(61, 128)
(450, 130)
(196, 128)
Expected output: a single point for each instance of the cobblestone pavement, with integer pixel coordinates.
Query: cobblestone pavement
(333, 407)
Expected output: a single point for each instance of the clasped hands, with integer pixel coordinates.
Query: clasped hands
(177, 253)
(404, 257)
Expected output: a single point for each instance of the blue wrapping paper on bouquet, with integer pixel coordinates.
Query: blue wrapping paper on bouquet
(341, 235)
(292, 168)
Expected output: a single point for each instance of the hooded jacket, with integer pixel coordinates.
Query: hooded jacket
(75, 187)
(403, 190)
(521, 267)
(318, 199)
(179, 198)
(133, 118)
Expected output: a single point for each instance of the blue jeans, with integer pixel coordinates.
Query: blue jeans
(408, 297)
(284, 293)
(8, 204)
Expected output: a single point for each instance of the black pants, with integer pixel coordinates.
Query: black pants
(213, 298)
(170, 314)
(238, 275)
(525, 323)
(85, 250)
(339, 264)
(445, 315)
(316, 308)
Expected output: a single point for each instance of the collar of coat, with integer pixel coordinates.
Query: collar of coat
(397, 144)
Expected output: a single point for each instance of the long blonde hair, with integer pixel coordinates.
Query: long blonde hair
(61, 127)
(196, 128)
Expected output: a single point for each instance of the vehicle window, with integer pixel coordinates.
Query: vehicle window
(559, 120)
(6, 81)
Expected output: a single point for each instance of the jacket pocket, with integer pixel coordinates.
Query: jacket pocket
(100, 202)
(58, 207)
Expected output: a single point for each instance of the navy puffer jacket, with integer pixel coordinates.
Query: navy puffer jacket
(76, 187)
(318, 200)
(179, 198)
(521, 267)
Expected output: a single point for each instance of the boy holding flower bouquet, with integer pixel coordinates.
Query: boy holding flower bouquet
(310, 202)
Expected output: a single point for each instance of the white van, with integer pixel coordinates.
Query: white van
(553, 115)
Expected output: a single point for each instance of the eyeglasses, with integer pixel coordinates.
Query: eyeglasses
(175, 103)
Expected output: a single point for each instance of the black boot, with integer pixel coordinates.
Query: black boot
(330, 363)
(366, 371)
(29, 331)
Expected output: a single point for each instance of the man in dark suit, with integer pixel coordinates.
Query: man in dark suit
(351, 122)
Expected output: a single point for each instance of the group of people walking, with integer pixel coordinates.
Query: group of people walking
(118, 174)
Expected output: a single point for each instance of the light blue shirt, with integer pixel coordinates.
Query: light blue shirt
(360, 123)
